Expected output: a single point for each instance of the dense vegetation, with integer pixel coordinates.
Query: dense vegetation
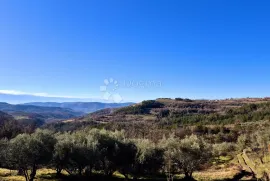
(104, 151)
(181, 112)
(9, 127)
(154, 139)
(89, 151)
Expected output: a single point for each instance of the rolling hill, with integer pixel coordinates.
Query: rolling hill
(86, 107)
(46, 114)
(185, 111)
(5, 117)
(9, 127)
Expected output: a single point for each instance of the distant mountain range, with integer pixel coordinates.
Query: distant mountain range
(85, 107)
(45, 113)
(24, 98)
(29, 116)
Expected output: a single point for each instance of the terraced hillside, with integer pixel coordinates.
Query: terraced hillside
(185, 111)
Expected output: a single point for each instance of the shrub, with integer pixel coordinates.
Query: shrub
(223, 149)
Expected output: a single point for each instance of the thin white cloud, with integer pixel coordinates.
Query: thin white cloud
(15, 92)
(51, 98)
(12, 92)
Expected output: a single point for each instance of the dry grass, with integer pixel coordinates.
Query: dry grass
(68, 121)
(21, 117)
(222, 174)
(9, 175)
(218, 172)
(42, 175)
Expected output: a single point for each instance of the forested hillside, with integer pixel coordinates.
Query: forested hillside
(163, 139)
(186, 111)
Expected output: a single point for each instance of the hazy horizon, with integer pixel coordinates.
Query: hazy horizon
(26, 98)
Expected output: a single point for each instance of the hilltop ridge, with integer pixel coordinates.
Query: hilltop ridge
(187, 111)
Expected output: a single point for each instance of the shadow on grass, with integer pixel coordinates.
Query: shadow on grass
(240, 176)
(54, 177)
(49, 176)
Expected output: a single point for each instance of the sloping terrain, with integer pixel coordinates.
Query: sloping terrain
(86, 107)
(9, 127)
(4, 117)
(46, 114)
(185, 111)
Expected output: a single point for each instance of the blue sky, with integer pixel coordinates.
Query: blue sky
(196, 49)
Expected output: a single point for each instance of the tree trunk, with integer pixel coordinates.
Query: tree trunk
(68, 171)
(108, 172)
(33, 173)
(89, 171)
(58, 171)
(111, 173)
(25, 174)
(80, 171)
(126, 176)
(20, 172)
(188, 176)
(169, 177)
(261, 159)
(265, 176)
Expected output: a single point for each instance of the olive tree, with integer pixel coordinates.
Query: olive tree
(4, 153)
(85, 150)
(91, 153)
(76, 153)
(186, 155)
(171, 149)
(243, 142)
(223, 149)
(62, 152)
(149, 158)
(109, 152)
(193, 152)
(259, 143)
(27, 152)
(125, 157)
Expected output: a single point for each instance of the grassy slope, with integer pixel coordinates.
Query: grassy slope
(178, 110)
(49, 175)
(224, 169)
